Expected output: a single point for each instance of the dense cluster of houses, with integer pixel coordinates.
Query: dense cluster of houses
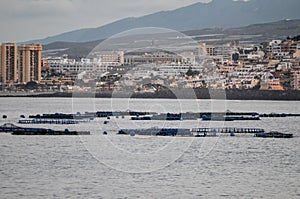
(272, 65)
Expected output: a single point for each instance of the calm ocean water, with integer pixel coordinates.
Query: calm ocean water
(112, 166)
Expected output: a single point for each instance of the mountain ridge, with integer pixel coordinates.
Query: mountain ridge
(256, 33)
(215, 14)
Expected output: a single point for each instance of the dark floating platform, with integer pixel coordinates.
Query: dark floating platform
(274, 134)
(205, 116)
(279, 115)
(9, 127)
(53, 121)
(195, 132)
(140, 115)
(156, 132)
(78, 115)
(16, 130)
(122, 113)
(48, 132)
(228, 118)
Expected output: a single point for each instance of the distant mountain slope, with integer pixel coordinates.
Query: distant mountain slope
(75, 50)
(216, 14)
(253, 33)
(259, 32)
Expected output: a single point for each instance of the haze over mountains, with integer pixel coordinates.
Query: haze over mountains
(255, 33)
(216, 14)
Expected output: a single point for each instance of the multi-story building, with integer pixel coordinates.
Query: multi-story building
(111, 58)
(62, 65)
(290, 46)
(20, 64)
(274, 46)
(157, 58)
(29, 63)
(221, 52)
(296, 80)
(8, 63)
(206, 50)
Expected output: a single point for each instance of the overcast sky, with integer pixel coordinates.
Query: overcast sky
(22, 20)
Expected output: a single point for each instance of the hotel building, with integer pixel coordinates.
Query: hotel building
(8, 63)
(29, 63)
(20, 64)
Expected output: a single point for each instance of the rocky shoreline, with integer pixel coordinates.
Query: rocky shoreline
(200, 93)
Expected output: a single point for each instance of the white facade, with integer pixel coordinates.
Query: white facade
(115, 58)
(61, 64)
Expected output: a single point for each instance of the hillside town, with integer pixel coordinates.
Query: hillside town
(273, 65)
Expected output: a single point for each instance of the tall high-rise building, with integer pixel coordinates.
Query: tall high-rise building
(29, 63)
(20, 64)
(8, 63)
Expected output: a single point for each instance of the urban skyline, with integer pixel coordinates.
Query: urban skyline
(272, 65)
(239, 62)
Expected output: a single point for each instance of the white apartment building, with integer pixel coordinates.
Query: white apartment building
(64, 64)
(110, 58)
(274, 46)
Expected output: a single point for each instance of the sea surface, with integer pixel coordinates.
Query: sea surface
(115, 166)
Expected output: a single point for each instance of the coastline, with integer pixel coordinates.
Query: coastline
(199, 93)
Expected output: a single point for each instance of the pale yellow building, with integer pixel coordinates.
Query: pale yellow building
(8, 63)
(29, 63)
(296, 81)
(20, 64)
